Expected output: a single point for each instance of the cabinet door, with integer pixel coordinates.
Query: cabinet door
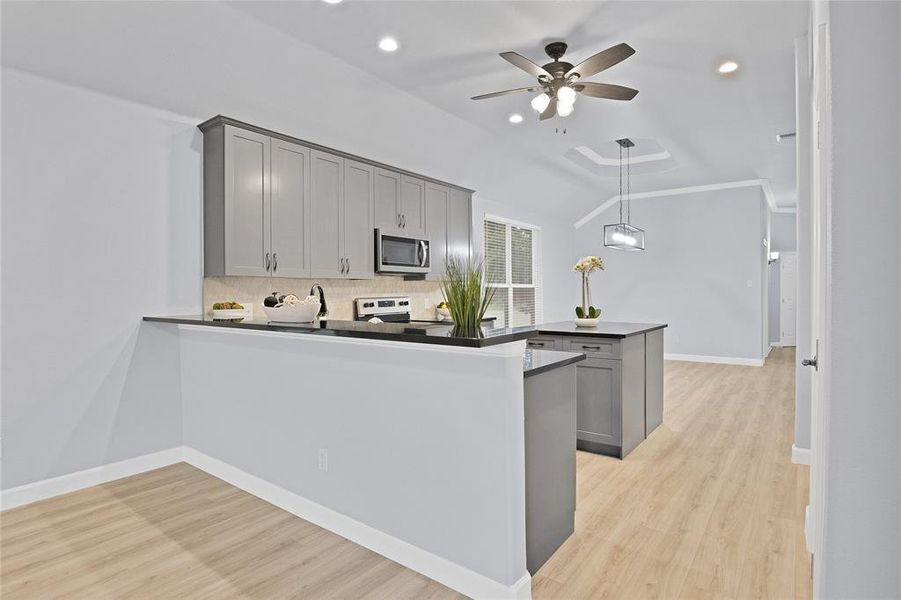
(459, 224)
(326, 200)
(387, 200)
(247, 202)
(436, 203)
(598, 398)
(358, 232)
(412, 205)
(290, 209)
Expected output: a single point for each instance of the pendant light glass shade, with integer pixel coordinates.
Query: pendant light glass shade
(540, 102)
(624, 235)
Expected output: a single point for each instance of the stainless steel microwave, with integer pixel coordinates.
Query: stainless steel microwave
(401, 255)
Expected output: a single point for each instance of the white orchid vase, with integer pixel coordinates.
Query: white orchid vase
(586, 266)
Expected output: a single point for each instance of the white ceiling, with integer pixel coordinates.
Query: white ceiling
(717, 129)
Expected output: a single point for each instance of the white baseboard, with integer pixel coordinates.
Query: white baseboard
(452, 575)
(48, 488)
(800, 456)
(723, 360)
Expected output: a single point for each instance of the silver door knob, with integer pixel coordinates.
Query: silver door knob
(810, 362)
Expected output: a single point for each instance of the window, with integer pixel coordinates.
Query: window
(511, 267)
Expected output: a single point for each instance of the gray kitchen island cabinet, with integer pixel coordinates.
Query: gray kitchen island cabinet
(619, 387)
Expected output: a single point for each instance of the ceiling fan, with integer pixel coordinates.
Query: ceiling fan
(560, 81)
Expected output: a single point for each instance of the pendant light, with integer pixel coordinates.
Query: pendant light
(623, 235)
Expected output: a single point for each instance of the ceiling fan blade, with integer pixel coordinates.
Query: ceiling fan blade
(550, 111)
(526, 65)
(605, 90)
(602, 60)
(505, 92)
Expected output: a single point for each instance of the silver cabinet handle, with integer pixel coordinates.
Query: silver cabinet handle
(342, 266)
(536, 344)
(397, 220)
(274, 262)
(347, 262)
(268, 264)
(403, 218)
(591, 347)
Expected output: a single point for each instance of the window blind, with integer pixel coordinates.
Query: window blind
(511, 268)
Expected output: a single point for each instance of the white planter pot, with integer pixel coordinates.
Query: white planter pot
(587, 322)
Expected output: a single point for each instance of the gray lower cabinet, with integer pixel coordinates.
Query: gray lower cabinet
(654, 380)
(437, 199)
(550, 461)
(598, 406)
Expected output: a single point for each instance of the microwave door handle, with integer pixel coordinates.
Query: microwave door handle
(424, 252)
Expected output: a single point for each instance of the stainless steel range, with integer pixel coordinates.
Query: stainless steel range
(391, 309)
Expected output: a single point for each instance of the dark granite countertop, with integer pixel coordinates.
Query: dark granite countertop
(535, 362)
(608, 329)
(422, 333)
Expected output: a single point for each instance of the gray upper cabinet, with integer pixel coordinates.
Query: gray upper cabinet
(326, 198)
(412, 205)
(387, 199)
(437, 200)
(247, 232)
(290, 210)
(459, 224)
(274, 205)
(357, 229)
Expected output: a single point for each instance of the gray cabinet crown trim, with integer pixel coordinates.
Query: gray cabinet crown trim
(223, 120)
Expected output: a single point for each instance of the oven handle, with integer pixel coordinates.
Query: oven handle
(423, 252)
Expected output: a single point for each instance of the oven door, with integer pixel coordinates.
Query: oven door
(399, 254)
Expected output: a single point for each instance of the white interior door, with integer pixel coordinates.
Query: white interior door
(820, 300)
(788, 289)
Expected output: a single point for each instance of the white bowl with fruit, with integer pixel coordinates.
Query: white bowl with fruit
(443, 311)
(291, 309)
(229, 311)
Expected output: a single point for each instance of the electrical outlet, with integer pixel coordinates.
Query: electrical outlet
(323, 459)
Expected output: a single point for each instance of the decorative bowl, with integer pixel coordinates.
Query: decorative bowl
(443, 312)
(587, 322)
(292, 313)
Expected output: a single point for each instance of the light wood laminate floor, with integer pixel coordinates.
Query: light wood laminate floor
(709, 506)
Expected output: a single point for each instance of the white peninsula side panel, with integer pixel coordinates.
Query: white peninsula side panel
(424, 443)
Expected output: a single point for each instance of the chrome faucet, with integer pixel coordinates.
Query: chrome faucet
(323, 309)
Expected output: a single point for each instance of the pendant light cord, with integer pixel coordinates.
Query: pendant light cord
(620, 183)
(628, 186)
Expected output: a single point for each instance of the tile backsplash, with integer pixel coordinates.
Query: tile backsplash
(339, 293)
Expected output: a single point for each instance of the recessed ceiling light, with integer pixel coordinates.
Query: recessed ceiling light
(515, 118)
(388, 44)
(332, 1)
(727, 67)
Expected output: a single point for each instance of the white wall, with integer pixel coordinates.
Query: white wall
(101, 225)
(862, 535)
(701, 272)
(434, 458)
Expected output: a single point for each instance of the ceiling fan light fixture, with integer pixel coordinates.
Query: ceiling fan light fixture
(540, 102)
(566, 95)
(564, 109)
